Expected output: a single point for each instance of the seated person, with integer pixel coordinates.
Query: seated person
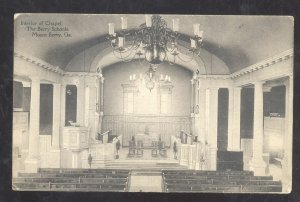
(160, 144)
(132, 142)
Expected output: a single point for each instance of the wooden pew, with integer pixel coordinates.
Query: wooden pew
(228, 177)
(71, 180)
(73, 175)
(222, 182)
(217, 181)
(74, 180)
(195, 172)
(71, 186)
(261, 188)
(204, 188)
(67, 170)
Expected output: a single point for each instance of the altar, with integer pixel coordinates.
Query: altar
(147, 139)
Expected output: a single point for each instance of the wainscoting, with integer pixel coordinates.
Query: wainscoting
(129, 125)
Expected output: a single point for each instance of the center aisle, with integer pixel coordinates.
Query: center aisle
(145, 181)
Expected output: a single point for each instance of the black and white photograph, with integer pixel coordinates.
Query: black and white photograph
(152, 103)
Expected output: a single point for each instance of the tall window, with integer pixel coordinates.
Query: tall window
(128, 103)
(164, 103)
(142, 101)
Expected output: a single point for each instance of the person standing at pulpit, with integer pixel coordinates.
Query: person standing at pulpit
(182, 137)
(118, 145)
(175, 150)
(189, 138)
(133, 141)
(90, 158)
(146, 130)
(196, 139)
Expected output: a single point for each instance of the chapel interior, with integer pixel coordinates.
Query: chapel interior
(85, 119)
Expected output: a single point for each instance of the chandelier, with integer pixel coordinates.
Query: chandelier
(150, 79)
(153, 41)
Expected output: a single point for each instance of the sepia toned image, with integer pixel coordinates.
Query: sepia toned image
(153, 103)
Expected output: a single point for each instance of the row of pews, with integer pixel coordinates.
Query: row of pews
(52, 179)
(217, 181)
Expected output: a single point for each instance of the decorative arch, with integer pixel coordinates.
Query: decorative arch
(100, 55)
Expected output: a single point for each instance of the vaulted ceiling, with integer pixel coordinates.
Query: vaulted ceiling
(239, 41)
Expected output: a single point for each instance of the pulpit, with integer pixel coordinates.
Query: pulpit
(75, 139)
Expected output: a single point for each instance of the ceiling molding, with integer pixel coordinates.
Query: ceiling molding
(283, 56)
(49, 67)
(91, 74)
(39, 62)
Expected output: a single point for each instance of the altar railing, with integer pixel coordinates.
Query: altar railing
(129, 125)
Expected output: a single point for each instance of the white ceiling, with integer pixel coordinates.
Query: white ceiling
(239, 41)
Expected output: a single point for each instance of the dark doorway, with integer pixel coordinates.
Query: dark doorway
(247, 112)
(71, 104)
(46, 109)
(223, 119)
(274, 102)
(17, 94)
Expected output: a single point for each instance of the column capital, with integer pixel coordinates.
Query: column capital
(237, 87)
(214, 88)
(102, 79)
(56, 84)
(257, 83)
(26, 84)
(267, 89)
(35, 78)
(99, 76)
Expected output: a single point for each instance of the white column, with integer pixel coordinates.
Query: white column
(86, 105)
(234, 114)
(56, 115)
(80, 103)
(102, 94)
(202, 113)
(258, 165)
(207, 114)
(92, 110)
(33, 160)
(192, 96)
(288, 138)
(213, 127)
(230, 119)
(194, 117)
(101, 106)
(62, 112)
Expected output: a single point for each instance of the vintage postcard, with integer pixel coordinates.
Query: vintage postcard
(153, 103)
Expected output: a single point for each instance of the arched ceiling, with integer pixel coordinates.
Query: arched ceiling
(239, 41)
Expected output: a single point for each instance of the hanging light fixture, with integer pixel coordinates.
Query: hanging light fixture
(153, 40)
(150, 79)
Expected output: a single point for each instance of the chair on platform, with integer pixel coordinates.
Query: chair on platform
(154, 151)
(139, 148)
(131, 151)
(162, 149)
